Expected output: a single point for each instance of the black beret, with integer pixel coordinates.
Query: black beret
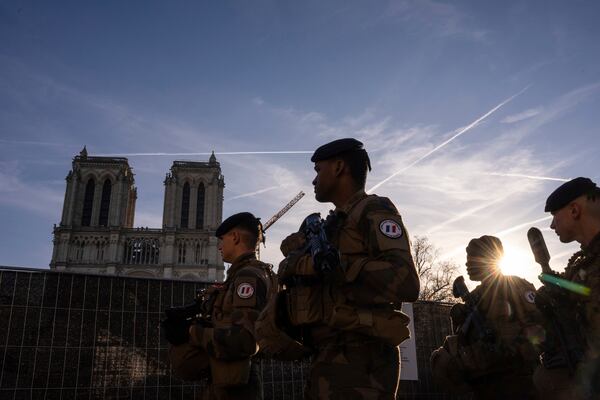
(336, 147)
(244, 220)
(569, 191)
(486, 246)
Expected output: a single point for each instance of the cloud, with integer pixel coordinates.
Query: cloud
(29, 196)
(441, 19)
(511, 119)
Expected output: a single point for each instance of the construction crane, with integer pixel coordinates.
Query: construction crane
(278, 215)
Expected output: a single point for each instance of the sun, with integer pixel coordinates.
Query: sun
(514, 261)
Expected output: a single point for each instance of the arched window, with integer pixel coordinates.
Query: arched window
(105, 203)
(181, 252)
(88, 203)
(185, 205)
(200, 207)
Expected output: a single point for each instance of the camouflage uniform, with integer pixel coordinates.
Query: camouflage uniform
(583, 268)
(352, 318)
(230, 343)
(503, 367)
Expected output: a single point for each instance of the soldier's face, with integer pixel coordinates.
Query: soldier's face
(478, 268)
(226, 246)
(324, 182)
(563, 223)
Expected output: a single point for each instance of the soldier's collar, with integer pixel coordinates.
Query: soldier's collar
(241, 260)
(593, 246)
(354, 200)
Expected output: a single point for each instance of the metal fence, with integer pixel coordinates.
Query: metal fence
(75, 336)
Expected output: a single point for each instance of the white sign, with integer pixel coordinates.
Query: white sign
(408, 349)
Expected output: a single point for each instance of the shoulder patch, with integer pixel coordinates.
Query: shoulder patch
(245, 290)
(530, 296)
(390, 228)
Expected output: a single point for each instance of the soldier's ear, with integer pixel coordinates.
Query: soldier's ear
(235, 235)
(575, 210)
(338, 166)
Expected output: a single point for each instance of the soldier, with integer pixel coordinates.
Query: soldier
(492, 352)
(350, 316)
(226, 345)
(571, 363)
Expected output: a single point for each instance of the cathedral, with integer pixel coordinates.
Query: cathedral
(96, 233)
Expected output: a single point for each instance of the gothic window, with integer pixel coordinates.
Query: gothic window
(141, 251)
(200, 207)
(181, 252)
(88, 203)
(197, 253)
(185, 205)
(77, 250)
(105, 203)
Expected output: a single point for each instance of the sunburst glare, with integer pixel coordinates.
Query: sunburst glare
(514, 261)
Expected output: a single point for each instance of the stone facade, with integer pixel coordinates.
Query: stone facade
(96, 233)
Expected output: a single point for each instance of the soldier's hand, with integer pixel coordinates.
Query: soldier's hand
(176, 331)
(293, 242)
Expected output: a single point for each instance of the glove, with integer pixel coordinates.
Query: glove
(459, 314)
(552, 360)
(176, 330)
(547, 298)
(293, 242)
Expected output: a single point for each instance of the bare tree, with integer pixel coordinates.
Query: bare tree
(436, 275)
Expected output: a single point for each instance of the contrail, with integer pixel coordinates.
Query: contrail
(460, 132)
(524, 224)
(254, 193)
(456, 250)
(229, 153)
(29, 142)
(541, 178)
(465, 214)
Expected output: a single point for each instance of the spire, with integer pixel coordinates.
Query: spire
(212, 159)
(83, 153)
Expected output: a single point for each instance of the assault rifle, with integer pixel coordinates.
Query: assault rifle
(197, 312)
(474, 317)
(325, 257)
(551, 300)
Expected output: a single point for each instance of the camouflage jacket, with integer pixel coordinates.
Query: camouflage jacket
(375, 252)
(584, 268)
(506, 305)
(238, 302)
(376, 275)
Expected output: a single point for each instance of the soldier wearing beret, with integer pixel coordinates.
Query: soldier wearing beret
(350, 316)
(575, 208)
(491, 354)
(224, 348)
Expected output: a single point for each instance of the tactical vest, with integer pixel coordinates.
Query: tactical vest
(330, 307)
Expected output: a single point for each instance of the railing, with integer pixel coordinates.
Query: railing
(67, 336)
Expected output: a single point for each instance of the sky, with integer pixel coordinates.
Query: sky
(472, 112)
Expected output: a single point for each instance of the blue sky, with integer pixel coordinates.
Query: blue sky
(467, 106)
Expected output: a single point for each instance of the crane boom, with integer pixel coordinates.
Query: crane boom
(285, 209)
(275, 217)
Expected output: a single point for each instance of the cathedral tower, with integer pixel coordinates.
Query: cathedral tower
(96, 233)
